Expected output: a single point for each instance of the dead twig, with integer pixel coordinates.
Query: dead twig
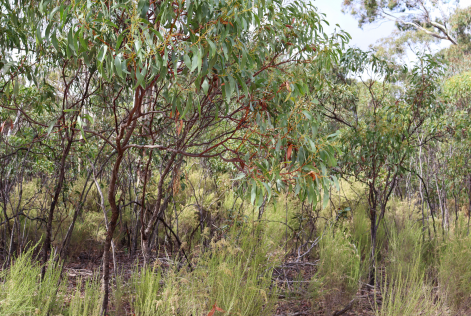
(348, 307)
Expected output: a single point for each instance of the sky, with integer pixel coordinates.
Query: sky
(361, 38)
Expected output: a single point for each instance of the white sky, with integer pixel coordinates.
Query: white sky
(361, 38)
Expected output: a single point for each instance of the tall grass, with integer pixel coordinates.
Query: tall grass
(407, 292)
(455, 272)
(233, 274)
(339, 270)
(88, 303)
(405, 250)
(147, 289)
(406, 289)
(22, 292)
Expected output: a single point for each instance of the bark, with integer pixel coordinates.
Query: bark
(60, 182)
(102, 205)
(469, 204)
(122, 139)
(110, 231)
(373, 235)
(146, 229)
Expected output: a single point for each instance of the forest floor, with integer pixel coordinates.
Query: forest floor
(292, 279)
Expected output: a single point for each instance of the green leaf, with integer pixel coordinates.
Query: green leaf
(260, 198)
(326, 198)
(239, 176)
(336, 183)
(213, 47)
(267, 187)
(307, 115)
(117, 63)
(200, 60)
(187, 61)
(15, 88)
(194, 62)
(205, 86)
(144, 7)
(70, 40)
(232, 85)
(188, 106)
(199, 106)
(102, 53)
(80, 124)
(138, 45)
(89, 118)
(53, 12)
(49, 129)
(38, 36)
(55, 42)
(253, 194)
(120, 40)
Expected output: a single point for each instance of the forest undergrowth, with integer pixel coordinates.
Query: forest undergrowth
(243, 270)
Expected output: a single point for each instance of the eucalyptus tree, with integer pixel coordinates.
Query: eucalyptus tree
(174, 79)
(457, 89)
(28, 99)
(429, 17)
(380, 120)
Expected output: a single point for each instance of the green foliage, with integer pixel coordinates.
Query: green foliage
(229, 75)
(460, 24)
(459, 86)
(230, 103)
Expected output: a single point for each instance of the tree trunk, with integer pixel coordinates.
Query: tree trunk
(109, 232)
(147, 227)
(60, 182)
(373, 235)
(122, 140)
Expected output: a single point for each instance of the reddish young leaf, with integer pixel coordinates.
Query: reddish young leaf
(288, 86)
(179, 127)
(214, 309)
(313, 175)
(288, 153)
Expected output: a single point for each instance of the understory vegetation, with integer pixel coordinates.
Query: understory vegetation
(244, 269)
(233, 157)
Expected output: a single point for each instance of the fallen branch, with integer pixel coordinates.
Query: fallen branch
(343, 311)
